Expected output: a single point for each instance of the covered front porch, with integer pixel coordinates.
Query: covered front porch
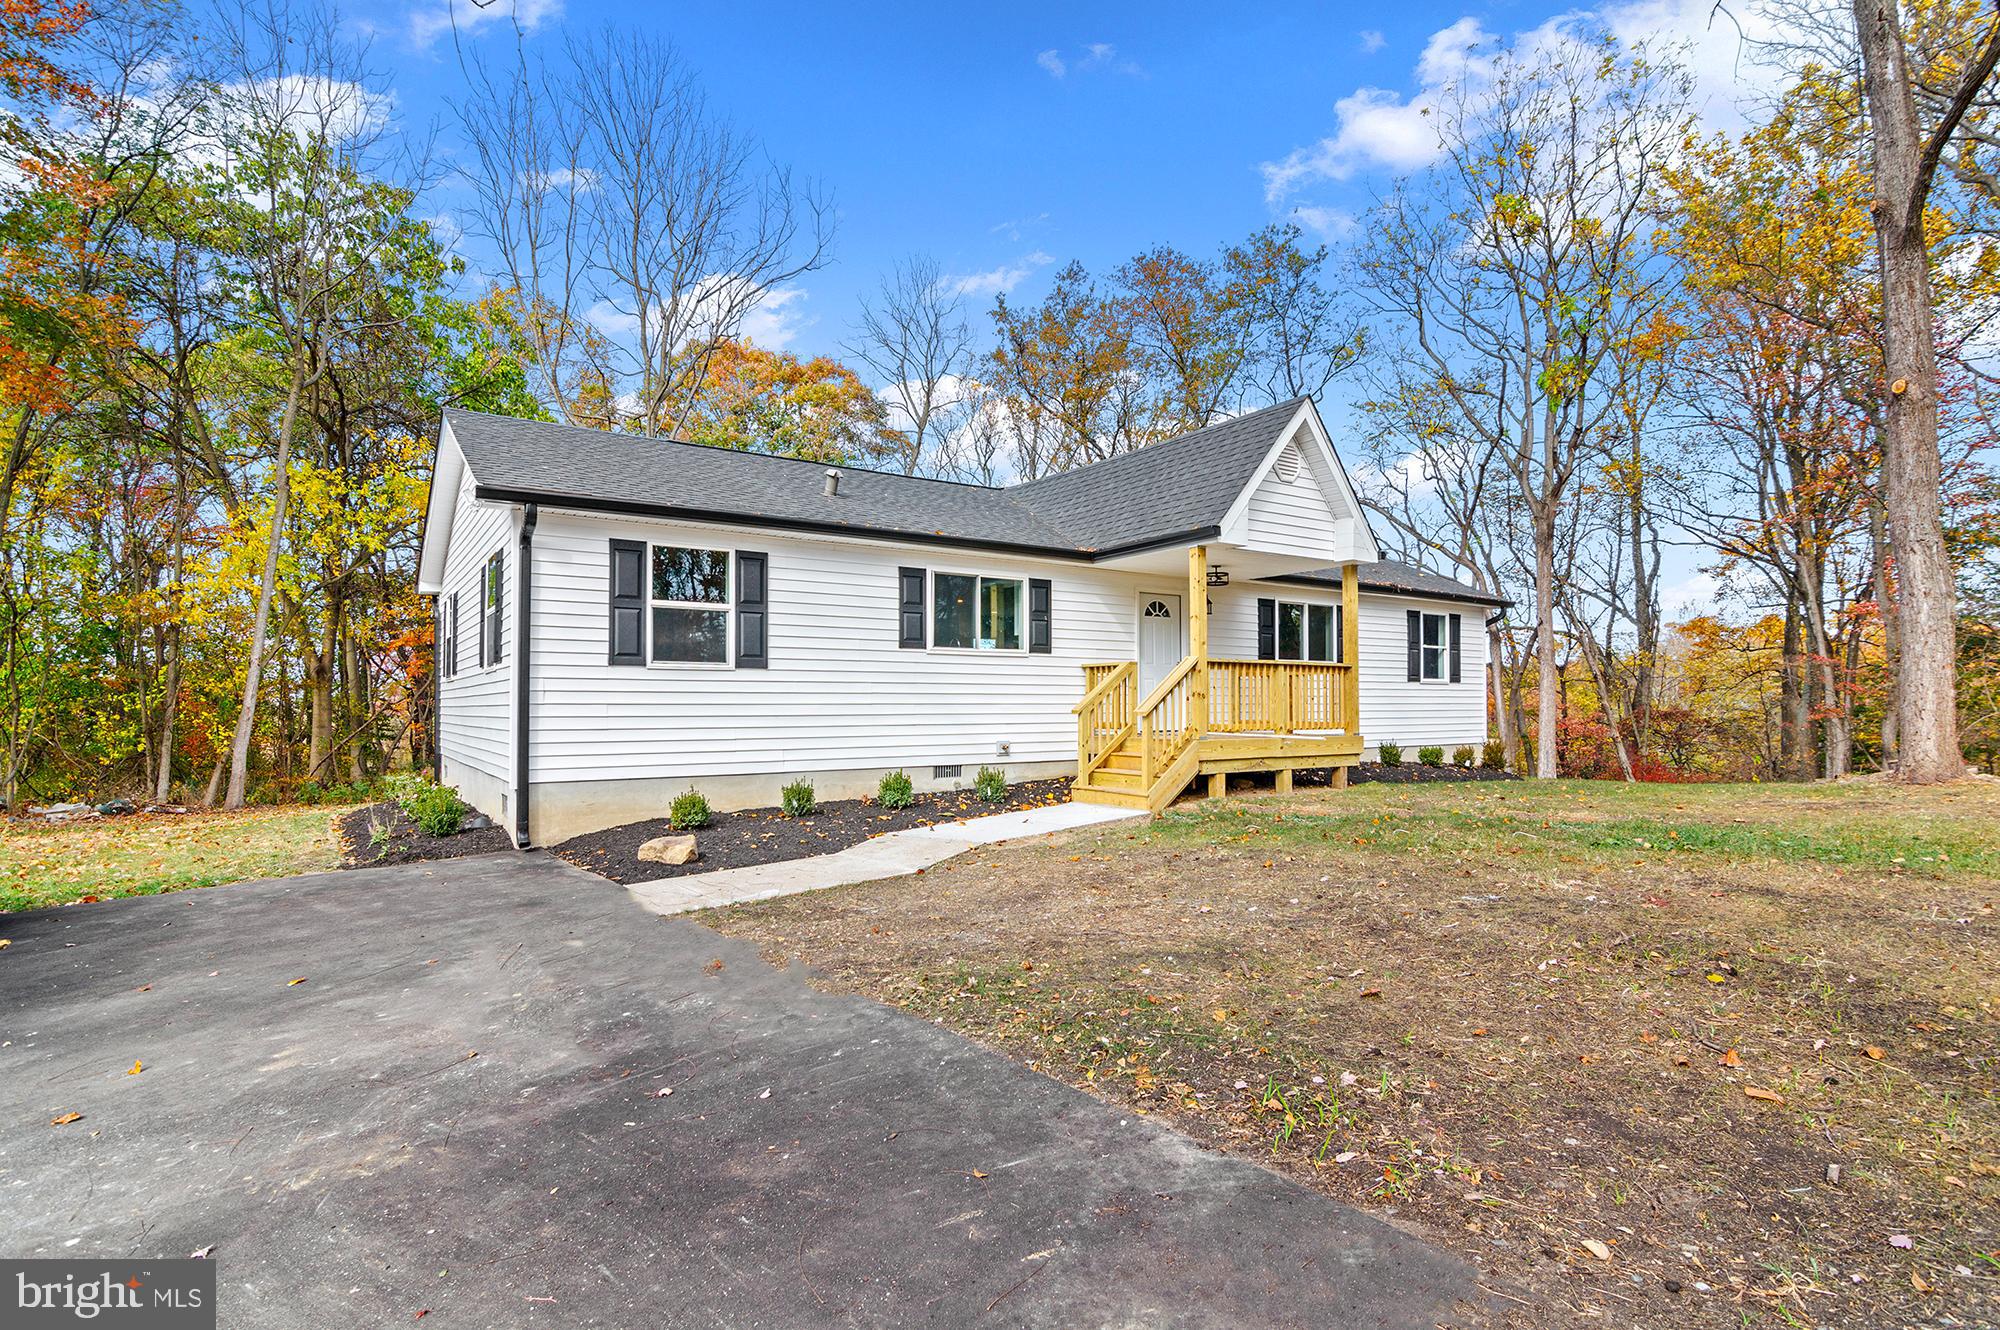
(1141, 742)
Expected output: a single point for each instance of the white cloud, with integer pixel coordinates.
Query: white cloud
(776, 321)
(1372, 41)
(1094, 57)
(1328, 223)
(1015, 228)
(434, 19)
(1380, 127)
(997, 281)
(585, 180)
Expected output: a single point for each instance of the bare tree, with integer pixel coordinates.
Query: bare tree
(1520, 261)
(915, 338)
(1300, 334)
(1906, 161)
(639, 229)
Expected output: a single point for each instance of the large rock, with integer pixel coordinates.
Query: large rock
(667, 850)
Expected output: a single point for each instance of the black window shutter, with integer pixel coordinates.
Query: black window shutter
(628, 602)
(1454, 648)
(1267, 629)
(752, 612)
(1416, 623)
(910, 619)
(1340, 634)
(1040, 641)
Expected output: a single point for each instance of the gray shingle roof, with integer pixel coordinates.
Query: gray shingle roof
(1156, 493)
(1161, 492)
(1400, 579)
(1167, 489)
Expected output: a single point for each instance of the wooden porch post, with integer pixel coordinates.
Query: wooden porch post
(1198, 638)
(1350, 645)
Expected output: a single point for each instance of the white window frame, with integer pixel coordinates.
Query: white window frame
(1306, 608)
(493, 618)
(1424, 647)
(980, 579)
(727, 608)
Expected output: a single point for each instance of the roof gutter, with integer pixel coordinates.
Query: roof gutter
(524, 622)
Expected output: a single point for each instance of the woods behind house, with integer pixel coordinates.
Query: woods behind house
(237, 290)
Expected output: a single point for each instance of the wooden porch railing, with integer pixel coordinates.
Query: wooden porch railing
(1277, 696)
(1164, 721)
(1104, 718)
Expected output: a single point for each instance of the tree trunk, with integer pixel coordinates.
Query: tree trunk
(1496, 674)
(1885, 606)
(246, 718)
(1926, 685)
(1545, 644)
(319, 688)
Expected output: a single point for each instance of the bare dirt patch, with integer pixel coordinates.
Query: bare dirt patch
(1662, 1057)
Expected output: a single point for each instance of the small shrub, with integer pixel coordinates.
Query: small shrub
(1461, 756)
(1495, 755)
(797, 799)
(436, 810)
(1431, 755)
(1392, 755)
(311, 793)
(895, 791)
(990, 784)
(689, 812)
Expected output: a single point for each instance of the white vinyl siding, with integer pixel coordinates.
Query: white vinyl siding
(476, 702)
(1392, 708)
(839, 692)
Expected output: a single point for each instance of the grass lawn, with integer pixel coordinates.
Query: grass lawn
(43, 864)
(1660, 1056)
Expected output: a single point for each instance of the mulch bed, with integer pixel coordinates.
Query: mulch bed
(406, 842)
(1410, 773)
(767, 836)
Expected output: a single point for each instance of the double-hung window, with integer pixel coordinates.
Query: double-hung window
(690, 603)
(1306, 632)
(490, 599)
(1435, 648)
(974, 613)
(447, 636)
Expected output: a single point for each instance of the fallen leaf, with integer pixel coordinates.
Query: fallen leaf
(65, 1119)
(1768, 1096)
(1874, 1053)
(202, 1253)
(977, 1174)
(1918, 1283)
(663, 1092)
(1220, 1013)
(1901, 1240)
(1730, 1059)
(1597, 1249)
(1716, 979)
(6, 942)
(137, 1067)
(1371, 992)
(296, 982)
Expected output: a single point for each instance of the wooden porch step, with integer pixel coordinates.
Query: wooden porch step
(1097, 794)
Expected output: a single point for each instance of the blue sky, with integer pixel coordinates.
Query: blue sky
(1015, 138)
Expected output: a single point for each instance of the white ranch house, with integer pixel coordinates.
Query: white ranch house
(620, 619)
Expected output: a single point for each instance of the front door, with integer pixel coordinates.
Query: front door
(1160, 638)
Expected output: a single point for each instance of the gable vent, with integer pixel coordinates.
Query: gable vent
(1289, 465)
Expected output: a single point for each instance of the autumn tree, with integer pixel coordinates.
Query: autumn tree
(771, 401)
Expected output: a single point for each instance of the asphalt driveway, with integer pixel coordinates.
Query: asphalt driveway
(462, 1111)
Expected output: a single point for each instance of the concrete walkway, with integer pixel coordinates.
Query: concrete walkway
(891, 855)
